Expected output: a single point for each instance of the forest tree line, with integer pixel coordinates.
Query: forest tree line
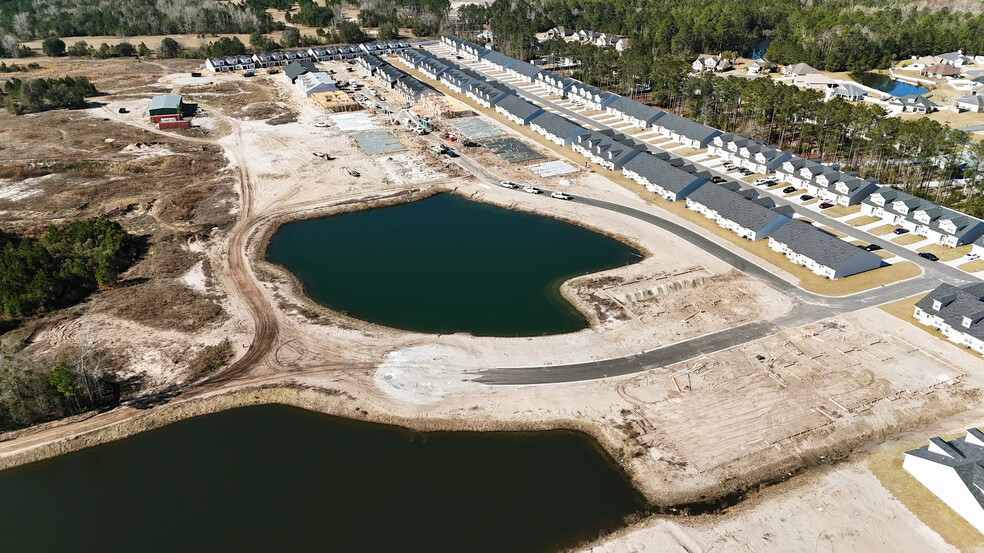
(914, 154)
(36, 95)
(62, 266)
(837, 35)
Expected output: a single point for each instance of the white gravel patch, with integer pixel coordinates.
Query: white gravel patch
(195, 278)
(424, 374)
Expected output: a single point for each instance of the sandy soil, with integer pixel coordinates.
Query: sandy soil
(841, 508)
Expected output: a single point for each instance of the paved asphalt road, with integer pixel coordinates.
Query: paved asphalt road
(807, 307)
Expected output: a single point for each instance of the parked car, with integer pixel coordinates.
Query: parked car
(322, 124)
(825, 205)
(872, 248)
(530, 189)
(729, 166)
(789, 190)
(929, 256)
(806, 197)
(972, 256)
(508, 184)
(451, 153)
(900, 231)
(560, 196)
(718, 180)
(746, 172)
(760, 182)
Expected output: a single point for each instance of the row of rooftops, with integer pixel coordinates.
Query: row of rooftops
(611, 146)
(922, 212)
(317, 53)
(961, 307)
(741, 206)
(821, 176)
(408, 85)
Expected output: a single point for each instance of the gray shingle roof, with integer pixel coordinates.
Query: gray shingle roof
(525, 69)
(516, 106)
(733, 206)
(964, 457)
(659, 172)
(974, 99)
(964, 223)
(557, 125)
(390, 73)
(958, 302)
(499, 59)
(295, 69)
(824, 248)
(610, 145)
(687, 127)
(635, 109)
(913, 100)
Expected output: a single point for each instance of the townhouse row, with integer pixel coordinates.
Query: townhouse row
(731, 207)
(828, 183)
(320, 53)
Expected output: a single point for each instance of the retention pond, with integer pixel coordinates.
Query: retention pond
(447, 264)
(276, 478)
(887, 84)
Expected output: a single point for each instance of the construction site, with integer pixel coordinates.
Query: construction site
(726, 392)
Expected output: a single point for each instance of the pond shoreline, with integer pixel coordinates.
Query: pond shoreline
(272, 272)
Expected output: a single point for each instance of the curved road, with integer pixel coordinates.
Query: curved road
(807, 308)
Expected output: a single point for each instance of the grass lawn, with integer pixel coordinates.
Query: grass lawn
(844, 210)
(882, 230)
(752, 177)
(813, 201)
(687, 152)
(946, 253)
(760, 248)
(796, 193)
(973, 266)
(907, 239)
(862, 220)
(883, 254)
(887, 467)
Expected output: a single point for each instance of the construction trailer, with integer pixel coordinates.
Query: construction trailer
(173, 123)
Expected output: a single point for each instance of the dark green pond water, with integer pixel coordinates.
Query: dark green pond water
(446, 264)
(276, 478)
